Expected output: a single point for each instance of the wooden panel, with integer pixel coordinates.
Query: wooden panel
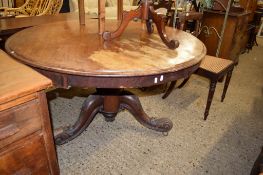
(211, 41)
(18, 122)
(249, 5)
(233, 40)
(17, 101)
(25, 158)
(48, 134)
(18, 80)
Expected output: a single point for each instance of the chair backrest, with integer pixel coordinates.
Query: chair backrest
(46, 7)
(55, 7)
(186, 16)
(7, 3)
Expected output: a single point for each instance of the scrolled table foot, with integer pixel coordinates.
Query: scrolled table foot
(63, 137)
(133, 105)
(90, 108)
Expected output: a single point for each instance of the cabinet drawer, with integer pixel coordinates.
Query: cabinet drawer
(27, 157)
(19, 121)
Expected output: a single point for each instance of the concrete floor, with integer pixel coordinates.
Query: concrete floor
(226, 144)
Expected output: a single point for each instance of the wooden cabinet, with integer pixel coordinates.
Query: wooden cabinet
(250, 6)
(26, 141)
(235, 37)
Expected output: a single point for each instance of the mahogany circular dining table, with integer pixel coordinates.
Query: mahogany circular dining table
(74, 55)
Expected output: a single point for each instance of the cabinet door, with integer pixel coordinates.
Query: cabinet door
(25, 158)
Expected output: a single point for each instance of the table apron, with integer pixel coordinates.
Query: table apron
(62, 80)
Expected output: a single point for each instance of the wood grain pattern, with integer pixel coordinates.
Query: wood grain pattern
(25, 118)
(18, 101)
(18, 80)
(233, 41)
(80, 50)
(25, 157)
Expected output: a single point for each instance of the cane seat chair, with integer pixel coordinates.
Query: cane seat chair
(34, 8)
(211, 67)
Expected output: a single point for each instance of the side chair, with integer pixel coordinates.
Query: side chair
(34, 8)
(212, 67)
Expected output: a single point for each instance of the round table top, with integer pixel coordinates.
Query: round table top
(67, 47)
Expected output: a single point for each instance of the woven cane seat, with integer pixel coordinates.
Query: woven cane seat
(215, 64)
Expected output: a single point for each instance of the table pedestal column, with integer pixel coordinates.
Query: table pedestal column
(109, 102)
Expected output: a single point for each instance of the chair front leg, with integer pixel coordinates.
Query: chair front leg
(183, 83)
(228, 77)
(210, 97)
(169, 90)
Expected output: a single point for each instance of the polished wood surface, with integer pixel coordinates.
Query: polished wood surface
(18, 80)
(234, 39)
(80, 50)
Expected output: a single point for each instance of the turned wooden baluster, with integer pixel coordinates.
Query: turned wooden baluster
(119, 9)
(81, 12)
(101, 13)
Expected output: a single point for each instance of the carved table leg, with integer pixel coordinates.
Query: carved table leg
(146, 13)
(90, 108)
(109, 102)
(133, 105)
(110, 107)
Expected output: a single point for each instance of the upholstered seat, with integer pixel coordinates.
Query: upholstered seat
(215, 64)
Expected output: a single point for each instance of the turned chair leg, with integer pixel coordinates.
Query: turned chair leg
(228, 77)
(210, 97)
(183, 83)
(169, 90)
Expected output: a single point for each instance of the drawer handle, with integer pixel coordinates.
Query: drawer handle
(8, 131)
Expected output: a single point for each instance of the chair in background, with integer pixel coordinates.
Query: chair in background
(7, 3)
(213, 68)
(35, 8)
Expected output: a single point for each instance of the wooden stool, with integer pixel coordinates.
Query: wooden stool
(211, 67)
(215, 68)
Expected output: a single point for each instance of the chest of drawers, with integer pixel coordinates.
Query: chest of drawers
(26, 140)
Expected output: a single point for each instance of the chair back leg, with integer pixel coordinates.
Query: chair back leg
(228, 77)
(210, 97)
(183, 83)
(169, 90)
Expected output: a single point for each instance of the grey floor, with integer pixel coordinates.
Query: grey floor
(226, 144)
